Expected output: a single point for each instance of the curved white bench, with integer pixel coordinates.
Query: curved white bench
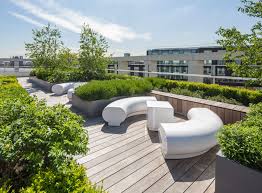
(116, 112)
(190, 138)
(71, 91)
(62, 88)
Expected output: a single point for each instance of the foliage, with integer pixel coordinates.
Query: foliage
(92, 54)
(186, 92)
(37, 144)
(242, 141)
(201, 94)
(66, 59)
(221, 98)
(45, 47)
(34, 136)
(211, 91)
(111, 76)
(71, 178)
(96, 90)
(246, 48)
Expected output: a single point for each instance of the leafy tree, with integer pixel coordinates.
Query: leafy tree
(67, 59)
(246, 48)
(92, 54)
(45, 47)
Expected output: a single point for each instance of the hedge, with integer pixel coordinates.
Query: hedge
(240, 95)
(37, 140)
(97, 90)
(242, 141)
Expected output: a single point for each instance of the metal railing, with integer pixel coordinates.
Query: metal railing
(183, 74)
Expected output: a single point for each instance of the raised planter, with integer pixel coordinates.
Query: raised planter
(47, 86)
(182, 104)
(92, 108)
(232, 177)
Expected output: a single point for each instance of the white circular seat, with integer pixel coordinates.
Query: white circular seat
(190, 138)
(116, 112)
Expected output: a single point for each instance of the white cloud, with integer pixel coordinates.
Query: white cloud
(72, 20)
(26, 19)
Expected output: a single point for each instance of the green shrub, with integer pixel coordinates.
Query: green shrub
(235, 95)
(242, 141)
(42, 73)
(35, 136)
(37, 144)
(112, 76)
(71, 178)
(221, 98)
(96, 90)
(186, 92)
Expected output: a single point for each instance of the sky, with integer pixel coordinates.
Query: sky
(128, 25)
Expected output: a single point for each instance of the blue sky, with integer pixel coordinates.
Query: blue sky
(129, 25)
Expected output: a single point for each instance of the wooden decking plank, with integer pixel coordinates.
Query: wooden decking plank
(152, 177)
(115, 152)
(211, 188)
(203, 182)
(115, 140)
(193, 173)
(108, 149)
(111, 131)
(106, 130)
(123, 163)
(137, 175)
(167, 180)
(118, 158)
(111, 137)
(119, 175)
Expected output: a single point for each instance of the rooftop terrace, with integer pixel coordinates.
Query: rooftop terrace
(128, 158)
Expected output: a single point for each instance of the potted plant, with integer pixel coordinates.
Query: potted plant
(239, 163)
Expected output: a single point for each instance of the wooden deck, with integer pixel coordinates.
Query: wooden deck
(128, 159)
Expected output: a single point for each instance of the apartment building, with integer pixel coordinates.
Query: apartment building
(15, 62)
(195, 60)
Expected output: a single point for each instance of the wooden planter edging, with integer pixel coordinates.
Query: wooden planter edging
(47, 86)
(91, 108)
(232, 177)
(182, 104)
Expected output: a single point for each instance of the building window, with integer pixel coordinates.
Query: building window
(207, 70)
(208, 62)
(221, 71)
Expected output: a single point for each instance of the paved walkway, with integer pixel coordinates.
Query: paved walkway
(50, 98)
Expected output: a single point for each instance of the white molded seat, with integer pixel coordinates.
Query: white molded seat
(190, 138)
(116, 112)
(62, 88)
(71, 91)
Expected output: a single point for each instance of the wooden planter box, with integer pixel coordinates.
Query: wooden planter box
(182, 104)
(232, 177)
(47, 86)
(92, 108)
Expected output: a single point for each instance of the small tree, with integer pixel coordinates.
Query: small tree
(45, 47)
(245, 47)
(67, 59)
(92, 54)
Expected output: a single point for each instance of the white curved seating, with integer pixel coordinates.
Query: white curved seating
(190, 138)
(62, 88)
(71, 91)
(116, 112)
